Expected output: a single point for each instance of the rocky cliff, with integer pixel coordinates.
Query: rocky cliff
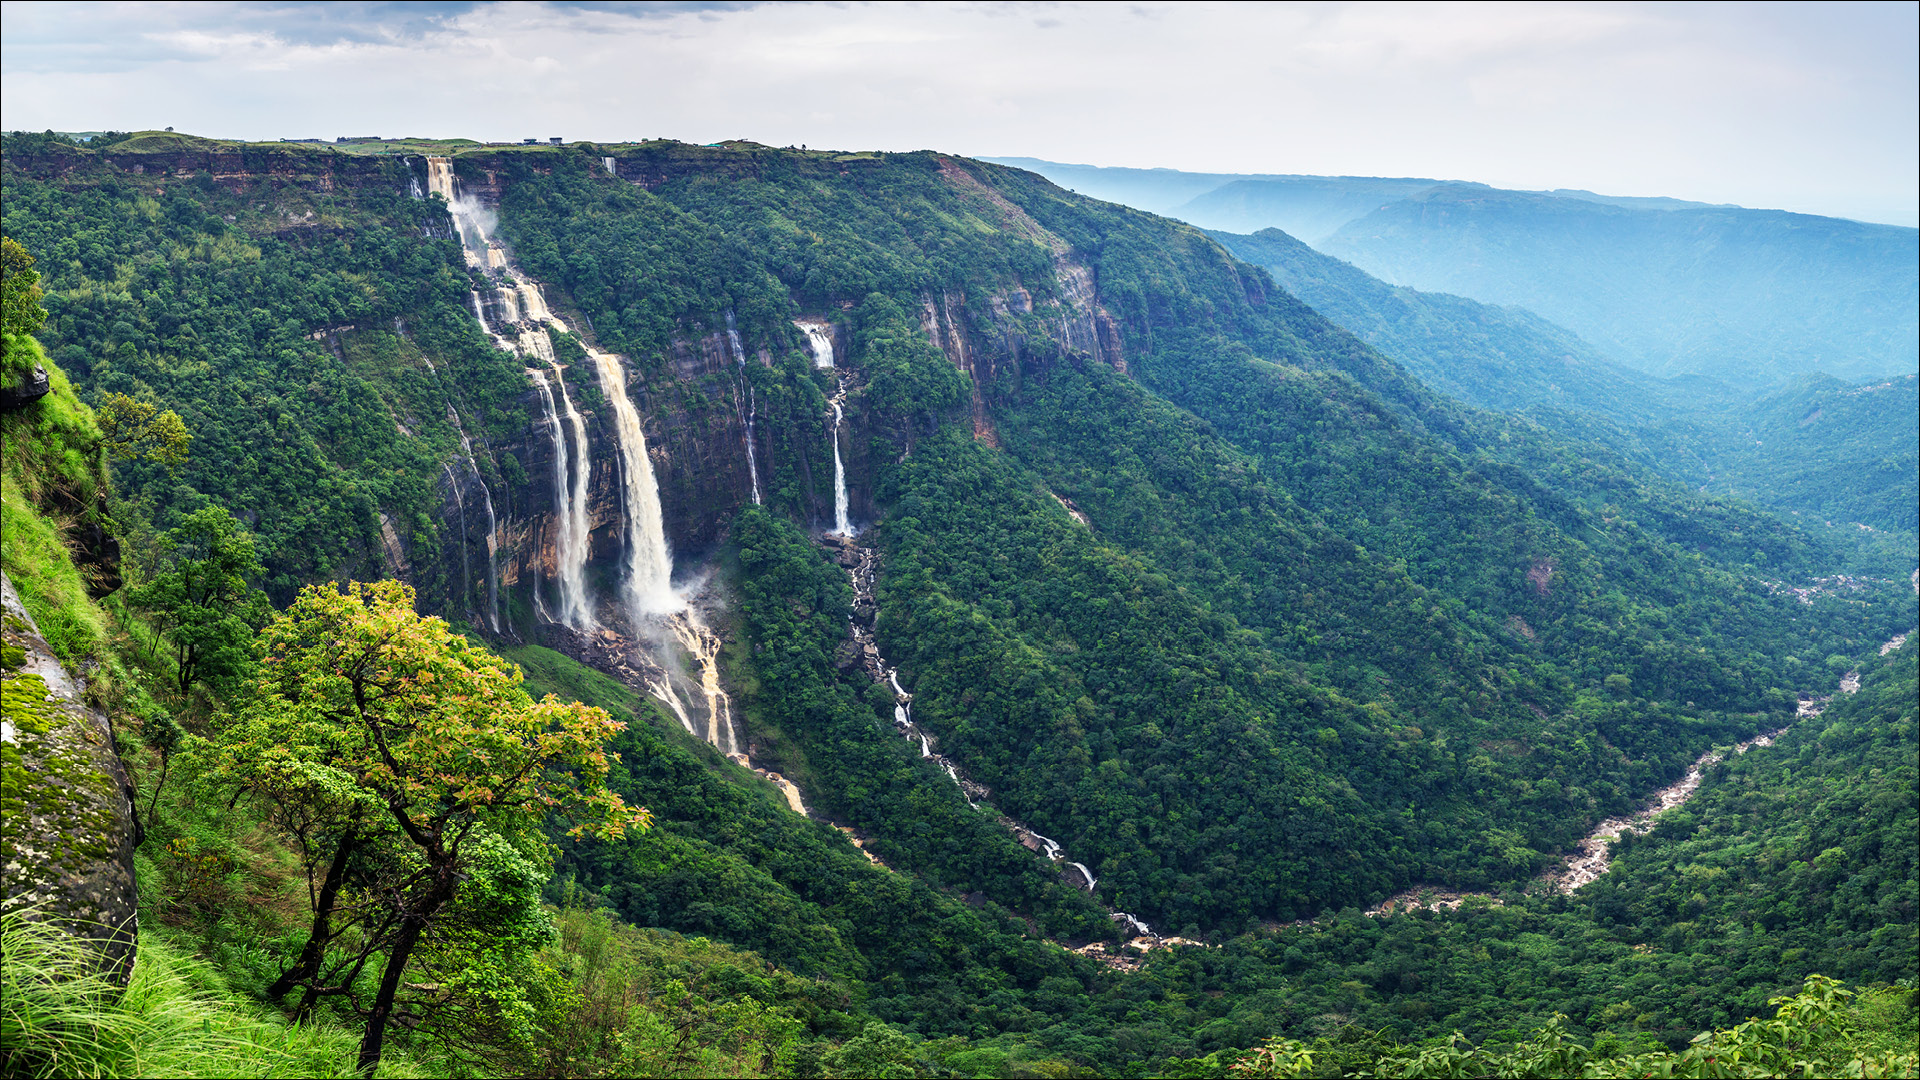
(67, 823)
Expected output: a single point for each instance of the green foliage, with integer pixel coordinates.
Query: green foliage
(200, 593)
(1808, 1036)
(794, 605)
(652, 1003)
(135, 429)
(312, 343)
(52, 486)
(21, 315)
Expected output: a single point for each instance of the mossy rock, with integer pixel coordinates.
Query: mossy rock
(67, 824)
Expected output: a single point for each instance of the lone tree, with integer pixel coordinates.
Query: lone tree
(200, 594)
(370, 724)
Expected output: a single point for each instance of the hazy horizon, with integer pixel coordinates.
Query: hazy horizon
(1787, 107)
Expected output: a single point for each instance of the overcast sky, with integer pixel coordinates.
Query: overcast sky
(1801, 107)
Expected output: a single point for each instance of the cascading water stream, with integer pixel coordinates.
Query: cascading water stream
(576, 605)
(842, 525)
(704, 646)
(861, 564)
(820, 339)
(748, 413)
(570, 558)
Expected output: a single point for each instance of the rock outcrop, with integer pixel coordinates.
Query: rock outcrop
(67, 821)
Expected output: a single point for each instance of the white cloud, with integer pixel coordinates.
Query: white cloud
(1760, 105)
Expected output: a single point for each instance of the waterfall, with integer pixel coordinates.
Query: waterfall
(440, 178)
(861, 574)
(841, 525)
(413, 182)
(748, 415)
(820, 340)
(649, 566)
(662, 688)
(472, 221)
(571, 545)
(493, 526)
(610, 164)
(533, 305)
(466, 563)
(516, 306)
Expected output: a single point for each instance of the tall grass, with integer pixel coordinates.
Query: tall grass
(60, 1019)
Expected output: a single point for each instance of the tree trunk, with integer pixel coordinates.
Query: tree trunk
(308, 965)
(414, 924)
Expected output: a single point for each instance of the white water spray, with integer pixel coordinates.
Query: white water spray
(820, 341)
(842, 525)
(649, 565)
(518, 307)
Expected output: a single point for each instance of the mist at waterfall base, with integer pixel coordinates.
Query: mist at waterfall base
(680, 661)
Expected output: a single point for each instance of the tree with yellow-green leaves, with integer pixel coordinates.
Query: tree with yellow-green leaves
(421, 771)
(130, 428)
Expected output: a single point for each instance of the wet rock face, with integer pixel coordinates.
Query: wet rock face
(67, 822)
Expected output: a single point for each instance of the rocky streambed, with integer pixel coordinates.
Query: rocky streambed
(1590, 860)
(863, 651)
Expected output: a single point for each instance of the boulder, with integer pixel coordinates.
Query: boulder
(67, 821)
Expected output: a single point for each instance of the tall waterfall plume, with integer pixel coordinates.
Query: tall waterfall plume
(472, 221)
(820, 339)
(649, 565)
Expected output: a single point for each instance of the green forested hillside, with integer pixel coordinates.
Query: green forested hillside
(219, 303)
(1251, 621)
(1494, 357)
(1815, 446)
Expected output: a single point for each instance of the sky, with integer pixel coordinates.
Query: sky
(1813, 108)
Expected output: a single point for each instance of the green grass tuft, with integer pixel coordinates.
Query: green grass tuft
(60, 1019)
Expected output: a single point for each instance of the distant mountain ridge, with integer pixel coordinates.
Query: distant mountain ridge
(1666, 286)
(1812, 446)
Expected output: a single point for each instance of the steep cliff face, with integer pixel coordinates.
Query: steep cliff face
(730, 416)
(68, 826)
